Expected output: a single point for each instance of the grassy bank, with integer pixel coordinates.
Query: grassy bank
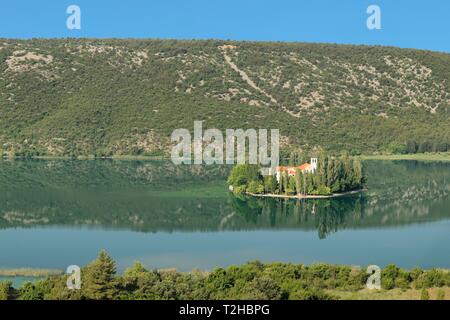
(394, 294)
(445, 156)
(28, 272)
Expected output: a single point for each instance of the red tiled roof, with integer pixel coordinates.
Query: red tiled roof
(303, 167)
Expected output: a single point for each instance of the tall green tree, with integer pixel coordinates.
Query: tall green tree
(99, 278)
(292, 185)
(270, 184)
(358, 176)
(322, 167)
(243, 174)
(285, 181)
(346, 173)
(298, 181)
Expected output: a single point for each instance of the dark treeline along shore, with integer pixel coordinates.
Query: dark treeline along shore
(253, 280)
(152, 196)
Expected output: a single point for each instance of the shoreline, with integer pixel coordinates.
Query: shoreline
(438, 157)
(29, 272)
(89, 158)
(301, 196)
(435, 157)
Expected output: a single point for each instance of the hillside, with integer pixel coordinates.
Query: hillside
(125, 97)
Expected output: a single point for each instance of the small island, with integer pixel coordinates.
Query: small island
(324, 176)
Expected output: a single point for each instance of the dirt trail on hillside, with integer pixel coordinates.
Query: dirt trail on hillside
(249, 81)
(245, 77)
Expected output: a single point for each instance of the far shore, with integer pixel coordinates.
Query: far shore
(83, 158)
(442, 156)
(29, 272)
(303, 196)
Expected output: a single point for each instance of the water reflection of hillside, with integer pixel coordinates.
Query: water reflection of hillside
(104, 175)
(157, 196)
(404, 190)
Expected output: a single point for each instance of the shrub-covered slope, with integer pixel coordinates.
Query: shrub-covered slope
(110, 97)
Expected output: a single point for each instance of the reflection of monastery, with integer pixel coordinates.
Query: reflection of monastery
(304, 168)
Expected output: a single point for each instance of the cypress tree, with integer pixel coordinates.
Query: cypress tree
(357, 174)
(292, 184)
(285, 181)
(298, 181)
(280, 183)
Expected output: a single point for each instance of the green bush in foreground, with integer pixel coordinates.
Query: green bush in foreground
(5, 290)
(253, 281)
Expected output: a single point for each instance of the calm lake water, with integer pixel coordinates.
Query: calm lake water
(18, 281)
(57, 213)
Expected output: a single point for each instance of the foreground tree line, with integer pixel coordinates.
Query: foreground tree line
(333, 175)
(253, 280)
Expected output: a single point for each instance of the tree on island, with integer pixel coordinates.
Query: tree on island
(333, 175)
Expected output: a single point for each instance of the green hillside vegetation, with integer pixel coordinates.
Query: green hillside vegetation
(80, 97)
(250, 281)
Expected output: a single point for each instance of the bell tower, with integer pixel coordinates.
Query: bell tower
(314, 163)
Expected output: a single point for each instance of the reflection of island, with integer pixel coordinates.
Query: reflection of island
(326, 216)
(157, 196)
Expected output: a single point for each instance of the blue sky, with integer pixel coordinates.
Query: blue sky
(423, 24)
